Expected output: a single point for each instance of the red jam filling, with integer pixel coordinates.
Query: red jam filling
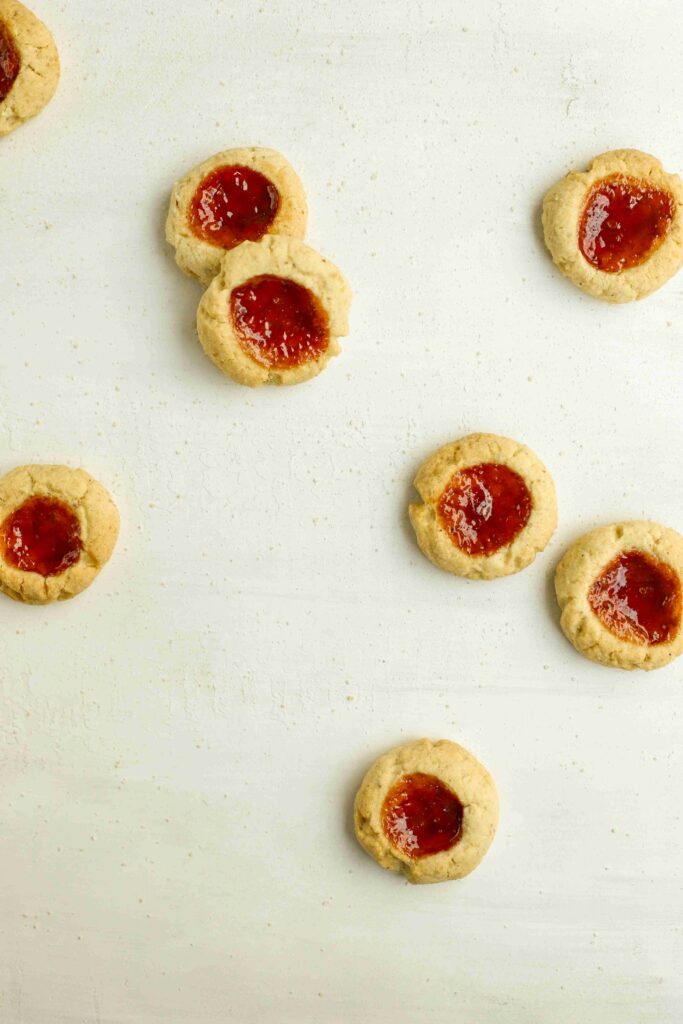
(43, 535)
(233, 204)
(623, 222)
(637, 599)
(278, 322)
(10, 61)
(484, 507)
(421, 816)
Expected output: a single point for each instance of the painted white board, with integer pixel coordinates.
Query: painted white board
(179, 744)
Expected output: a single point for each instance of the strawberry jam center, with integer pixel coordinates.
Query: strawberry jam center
(623, 222)
(233, 204)
(484, 507)
(43, 535)
(278, 322)
(10, 61)
(637, 599)
(421, 816)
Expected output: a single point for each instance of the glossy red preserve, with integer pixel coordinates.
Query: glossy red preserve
(638, 599)
(484, 507)
(10, 61)
(278, 322)
(623, 222)
(43, 535)
(421, 816)
(233, 204)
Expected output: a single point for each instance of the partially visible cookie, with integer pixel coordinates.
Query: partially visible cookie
(619, 588)
(29, 65)
(616, 230)
(428, 809)
(274, 312)
(488, 507)
(236, 196)
(58, 527)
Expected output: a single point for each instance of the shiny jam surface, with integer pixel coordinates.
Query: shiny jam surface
(43, 535)
(278, 322)
(623, 222)
(637, 599)
(484, 507)
(421, 816)
(10, 61)
(233, 204)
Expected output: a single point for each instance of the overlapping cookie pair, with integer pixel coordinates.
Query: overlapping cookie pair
(274, 308)
(489, 507)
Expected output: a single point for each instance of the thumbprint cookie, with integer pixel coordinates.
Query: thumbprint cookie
(29, 65)
(616, 230)
(58, 527)
(488, 507)
(239, 195)
(274, 312)
(427, 809)
(619, 589)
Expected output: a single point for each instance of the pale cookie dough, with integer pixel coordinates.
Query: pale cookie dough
(282, 257)
(457, 769)
(562, 210)
(99, 527)
(38, 75)
(584, 562)
(436, 473)
(201, 259)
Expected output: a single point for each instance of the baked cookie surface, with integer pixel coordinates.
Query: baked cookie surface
(236, 196)
(274, 312)
(488, 507)
(616, 230)
(428, 809)
(29, 65)
(58, 527)
(619, 589)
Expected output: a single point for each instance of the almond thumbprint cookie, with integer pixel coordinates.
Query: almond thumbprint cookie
(427, 809)
(488, 507)
(274, 312)
(619, 589)
(616, 230)
(236, 196)
(58, 527)
(29, 65)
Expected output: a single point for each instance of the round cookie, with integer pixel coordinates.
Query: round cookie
(235, 196)
(619, 589)
(58, 527)
(29, 65)
(274, 312)
(488, 507)
(616, 230)
(428, 809)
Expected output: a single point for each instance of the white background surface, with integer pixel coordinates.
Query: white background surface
(180, 747)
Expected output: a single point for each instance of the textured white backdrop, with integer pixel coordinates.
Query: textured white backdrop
(180, 745)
